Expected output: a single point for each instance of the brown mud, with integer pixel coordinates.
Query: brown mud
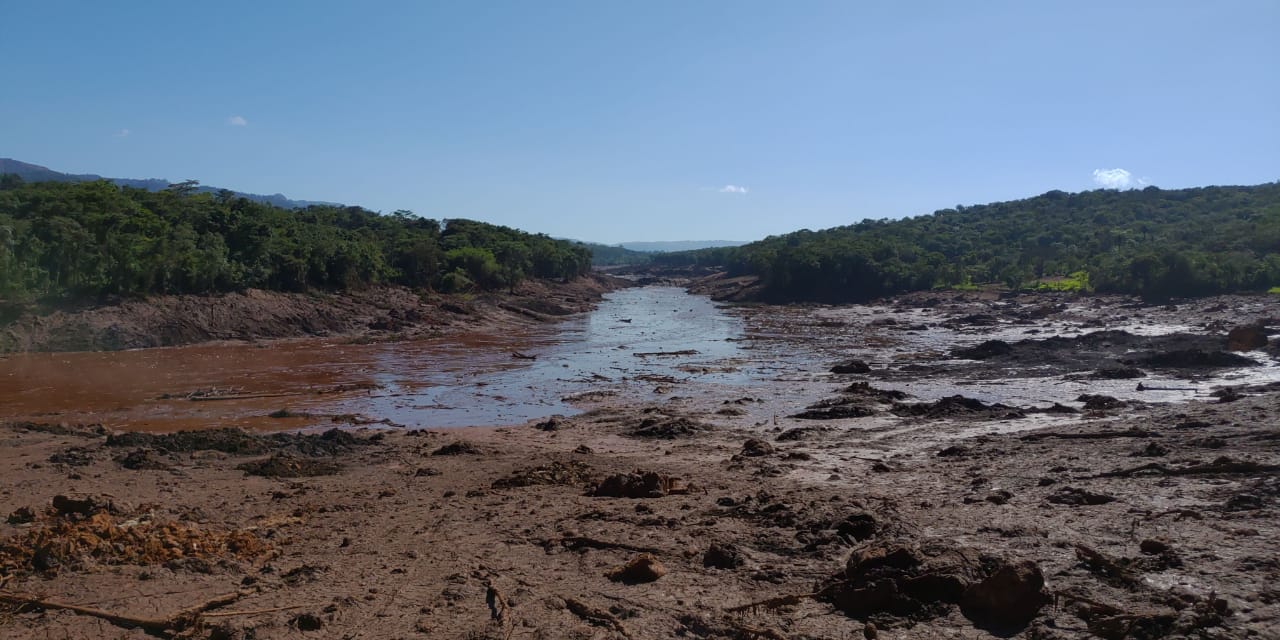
(962, 500)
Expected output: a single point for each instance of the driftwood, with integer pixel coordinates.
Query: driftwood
(1105, 567)
(152, 626)
(1093, 435)
(683, 352)
(523, 356)
(1222, 465)
(597, 617)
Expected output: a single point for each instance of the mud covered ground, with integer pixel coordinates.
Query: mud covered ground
(1027, 489)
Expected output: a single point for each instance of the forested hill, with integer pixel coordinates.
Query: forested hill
(36, 173)
(1154, 242)
(60, 239)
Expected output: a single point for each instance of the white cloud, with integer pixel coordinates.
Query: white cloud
(123, 133)
(1115, 178)
(732, 188)
(237, 121)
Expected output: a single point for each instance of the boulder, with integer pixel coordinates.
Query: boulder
(1247, 338)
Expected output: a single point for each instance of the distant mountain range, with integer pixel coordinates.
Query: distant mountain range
(679, 245)
(36, 173)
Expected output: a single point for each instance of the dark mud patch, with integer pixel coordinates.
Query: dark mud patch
(1107, 354)
(957, 407)
(284, 465)
(237, 442)
(557, 473)
(668, 427)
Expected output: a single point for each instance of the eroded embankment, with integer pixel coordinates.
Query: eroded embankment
(376, 313)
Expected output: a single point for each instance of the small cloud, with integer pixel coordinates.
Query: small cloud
(123, 133)
(732, 188)
(1114, 179)
(237, 121)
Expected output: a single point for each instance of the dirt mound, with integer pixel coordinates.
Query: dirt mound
(284, 465)
(1247, 337)
(459, 448)
(640, 569)
(1109, 354)
(957, 407)
(857, 400)
(640, 484)
(556, 473)
(668, 427)
(70, 539)
(851, 366)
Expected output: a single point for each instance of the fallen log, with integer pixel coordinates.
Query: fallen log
(152, 626)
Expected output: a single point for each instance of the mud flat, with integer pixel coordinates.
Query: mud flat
(1036, 497)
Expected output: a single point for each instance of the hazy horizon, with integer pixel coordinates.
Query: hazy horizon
(679, 121)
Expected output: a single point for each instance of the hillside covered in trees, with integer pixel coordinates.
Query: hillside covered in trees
(1154, 242)
(61, 239)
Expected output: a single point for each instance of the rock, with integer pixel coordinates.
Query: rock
(1247, 338)
(457, 449)
(1078, 497)
(755, 448)
(583, 449)
(1152, 450)
(999, 497)
(851, 366)
(640, 569)
(1153, 546)
(87, 506)
(954, 451)
(1008, 599)
(307, 622)
(639, 484)
(21, 515)
(984, 351)
(857, 526)
(723, 556)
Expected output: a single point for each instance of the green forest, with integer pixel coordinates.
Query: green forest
(1153, 242)
(61, 240)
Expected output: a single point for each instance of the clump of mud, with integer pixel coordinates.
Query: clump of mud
(640, 484)
(284, 465)
(556, 473)
(957, 406)
(238, 442)
(668, 427)
(1109, 354)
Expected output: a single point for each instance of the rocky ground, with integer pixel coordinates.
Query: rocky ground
(658, 513)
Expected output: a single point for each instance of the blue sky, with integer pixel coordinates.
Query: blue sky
(658, 120)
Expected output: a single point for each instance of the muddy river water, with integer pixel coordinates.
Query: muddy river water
(650, 344)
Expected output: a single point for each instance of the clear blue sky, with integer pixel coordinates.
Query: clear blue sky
(656, 120)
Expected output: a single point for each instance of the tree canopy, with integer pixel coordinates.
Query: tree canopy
(1154, 242)
(62, 239)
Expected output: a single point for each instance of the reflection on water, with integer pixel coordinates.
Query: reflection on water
(456, 381)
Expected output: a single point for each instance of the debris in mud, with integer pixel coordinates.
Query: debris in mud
(904, 579)
(1153, 546)
(93, 534)
(1118, 372)
(461, 447)
(21, 515)
(1008, 599)
(640, 569)
(284, 465)
(1152, 450)
(556, 473)
(1247, 337)
(986, 350)
(723, 556)
(640, 484)
(1196, 359)
(667, 427)
(59, 429)
(800, 433)
(851, 366)
(954, 451)
(67, 506)
(665, 354)
(1075, 496)
(1097, 402)
(957, 406)
(821, 411)
(140, 459)
(73, 457)
(756, 447)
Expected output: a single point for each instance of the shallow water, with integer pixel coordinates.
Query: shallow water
(461, 380)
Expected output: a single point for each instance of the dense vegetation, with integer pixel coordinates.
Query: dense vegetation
(1154, 242)
(604, 255)
(95, 238)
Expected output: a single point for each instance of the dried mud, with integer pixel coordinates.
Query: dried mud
(968, 499)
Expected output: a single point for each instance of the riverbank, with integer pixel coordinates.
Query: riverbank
(377, 313)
